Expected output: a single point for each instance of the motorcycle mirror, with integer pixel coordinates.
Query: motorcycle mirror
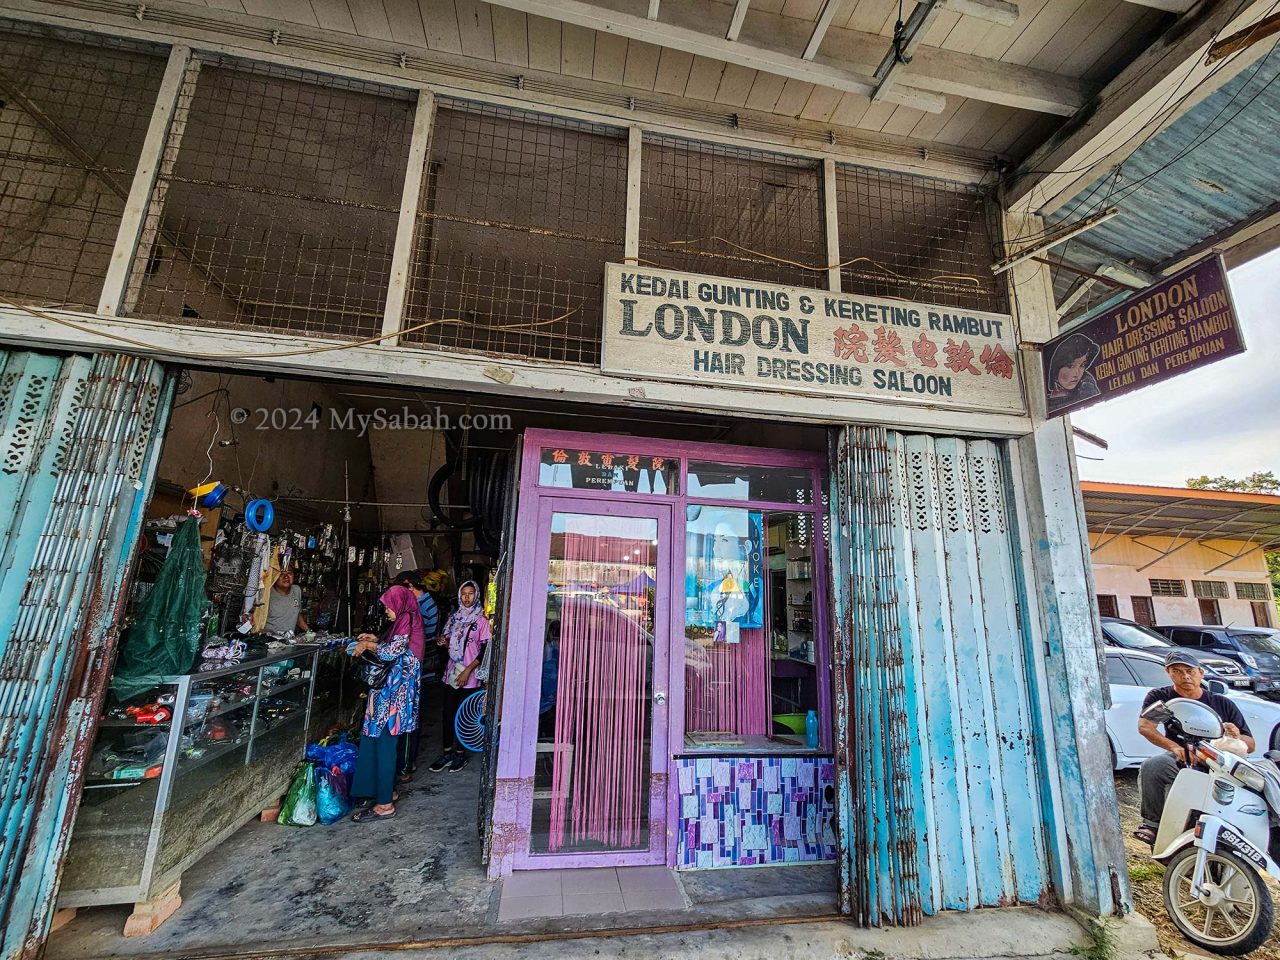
(1158, 712)
(1195, 719)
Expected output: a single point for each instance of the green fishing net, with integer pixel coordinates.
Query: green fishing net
(165, 637)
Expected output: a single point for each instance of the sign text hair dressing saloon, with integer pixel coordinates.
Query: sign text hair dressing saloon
(1171, 327)
(719, 331)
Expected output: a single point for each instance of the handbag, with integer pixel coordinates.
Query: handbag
(371, 670)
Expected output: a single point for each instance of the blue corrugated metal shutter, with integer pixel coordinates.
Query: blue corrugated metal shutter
(929, 643)
(79, 437)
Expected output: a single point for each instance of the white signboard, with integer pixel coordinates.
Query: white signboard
(717, 331)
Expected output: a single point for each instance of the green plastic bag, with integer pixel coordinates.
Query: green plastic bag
(299, 807)
(165, 638)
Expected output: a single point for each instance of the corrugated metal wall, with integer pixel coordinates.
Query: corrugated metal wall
(948, 813)
(78, 443)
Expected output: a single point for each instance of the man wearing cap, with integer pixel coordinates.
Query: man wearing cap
(1157, 773)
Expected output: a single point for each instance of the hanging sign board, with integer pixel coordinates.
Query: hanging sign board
(716, 331)
(1170, 328)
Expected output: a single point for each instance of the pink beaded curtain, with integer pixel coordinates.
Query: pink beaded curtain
(727, 686)
(600, 765)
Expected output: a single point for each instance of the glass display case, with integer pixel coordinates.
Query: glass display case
(180, 768)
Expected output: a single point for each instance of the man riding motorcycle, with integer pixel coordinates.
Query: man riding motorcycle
(1157, 773)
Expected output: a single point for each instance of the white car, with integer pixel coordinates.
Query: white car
(1131, 674)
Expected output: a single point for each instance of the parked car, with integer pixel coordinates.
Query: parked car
(1131, 673)
(1256, 649)
(1134, 636)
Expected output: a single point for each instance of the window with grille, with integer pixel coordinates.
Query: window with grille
(73, 116)
(1252, 591)
(518, 216)
(709, 208)
(279, 210)
(1108, 606)
(1210, 589)
(917, 238)
(1168, 588)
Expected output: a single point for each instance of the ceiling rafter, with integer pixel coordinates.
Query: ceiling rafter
(827, 14)
(735, 22)
(772, 43)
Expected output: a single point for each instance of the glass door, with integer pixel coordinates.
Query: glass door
(597, 751)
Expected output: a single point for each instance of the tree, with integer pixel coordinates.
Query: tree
(1256, 482)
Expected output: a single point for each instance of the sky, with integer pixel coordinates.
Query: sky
(1223, 419)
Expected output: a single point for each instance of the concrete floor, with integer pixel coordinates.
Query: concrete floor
(416, 878)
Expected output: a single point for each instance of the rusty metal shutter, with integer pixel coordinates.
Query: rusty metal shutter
(936, 726)
(79, 438)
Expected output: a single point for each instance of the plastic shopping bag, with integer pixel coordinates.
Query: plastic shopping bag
(299, 808)
(332, 795)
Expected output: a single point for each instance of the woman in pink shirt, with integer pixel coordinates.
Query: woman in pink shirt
(465, 635)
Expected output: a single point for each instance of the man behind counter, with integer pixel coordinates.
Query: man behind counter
(284, 609)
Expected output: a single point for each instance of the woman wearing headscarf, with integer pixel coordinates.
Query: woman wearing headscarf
(390, 711)
(465, 636)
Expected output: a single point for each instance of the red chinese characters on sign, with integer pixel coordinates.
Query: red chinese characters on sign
(851, 343)
(926, 351)
(559, 456)
(960, 357)
(996, 362)
(885, 346)
(888, 347)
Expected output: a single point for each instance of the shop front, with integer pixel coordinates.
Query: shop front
(783, 559)
(668, 688)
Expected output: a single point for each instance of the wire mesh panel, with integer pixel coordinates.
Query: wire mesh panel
(916, 238)
(519, 214)
(278, 208)
(73, 116)
(719, 210)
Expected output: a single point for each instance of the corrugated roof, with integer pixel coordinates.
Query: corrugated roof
(1214, 167)
(1137, 510)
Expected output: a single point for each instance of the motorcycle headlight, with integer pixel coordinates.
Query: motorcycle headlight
(1250, 777)
(1249, 660)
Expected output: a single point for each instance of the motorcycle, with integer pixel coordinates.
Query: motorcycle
(1220, 829)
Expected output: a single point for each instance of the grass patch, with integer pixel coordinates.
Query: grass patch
(1145, 871)
(1102, 946)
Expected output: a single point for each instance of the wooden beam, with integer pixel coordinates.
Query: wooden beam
(653, 9)
(903, 45)
(820, 29)
(735, 22)
(999, 12)
(1161, 84)
(678, 33)
(1266, 27)
(424, 113)
(847, 61)
(1170, 6)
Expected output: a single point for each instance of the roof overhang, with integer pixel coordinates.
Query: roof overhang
(1114, 510)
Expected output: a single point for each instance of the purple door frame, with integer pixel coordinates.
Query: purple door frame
(513, 806)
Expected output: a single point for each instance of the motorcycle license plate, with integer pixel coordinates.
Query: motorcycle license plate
(1236, 843)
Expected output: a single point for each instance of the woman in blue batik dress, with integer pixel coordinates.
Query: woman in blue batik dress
(391, 711)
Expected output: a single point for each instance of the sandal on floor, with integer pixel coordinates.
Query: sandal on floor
(404, 778)
(1146, 834)
(368, 816)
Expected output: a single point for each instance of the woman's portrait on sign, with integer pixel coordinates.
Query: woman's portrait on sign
(1069, 380)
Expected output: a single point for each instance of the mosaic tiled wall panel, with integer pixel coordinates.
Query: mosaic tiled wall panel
(738, 812)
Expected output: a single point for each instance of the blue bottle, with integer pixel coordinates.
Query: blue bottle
(811, 731)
